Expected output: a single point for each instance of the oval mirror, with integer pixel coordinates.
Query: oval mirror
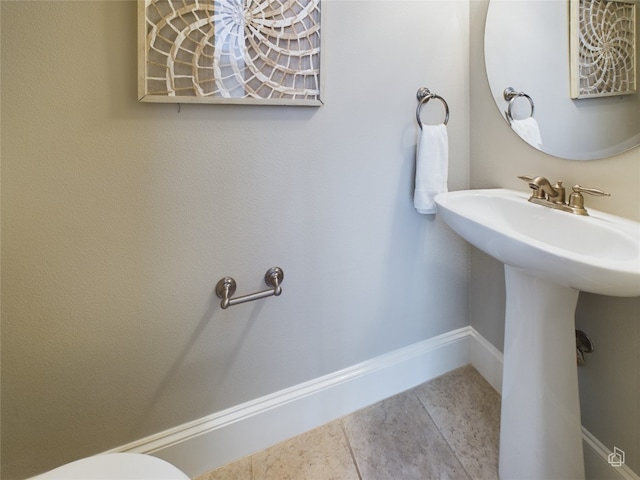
(527, 50)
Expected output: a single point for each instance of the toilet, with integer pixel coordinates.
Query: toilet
(115, 466)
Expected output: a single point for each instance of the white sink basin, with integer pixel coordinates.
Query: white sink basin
(549, 255)
(598, 254)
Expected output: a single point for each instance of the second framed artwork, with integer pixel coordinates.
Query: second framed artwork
(603, 48)
(230, 51)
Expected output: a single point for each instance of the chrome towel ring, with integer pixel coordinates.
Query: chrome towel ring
(511, 95)
(424, 95)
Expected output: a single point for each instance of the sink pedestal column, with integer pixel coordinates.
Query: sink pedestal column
(540, 427)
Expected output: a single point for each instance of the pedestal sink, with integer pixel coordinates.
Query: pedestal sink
(549, 256)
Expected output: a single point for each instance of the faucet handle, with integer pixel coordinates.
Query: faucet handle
(591, 191)
(526, 178)
(576, 200)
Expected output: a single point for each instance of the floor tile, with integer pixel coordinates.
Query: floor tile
(466, 410)
(240, 470)
(321, 454)
(447, 428)
(396, 439)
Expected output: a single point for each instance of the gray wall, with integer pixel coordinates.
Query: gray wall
(610, 381)
(118, 219)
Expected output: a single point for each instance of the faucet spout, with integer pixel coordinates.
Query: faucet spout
(541, 183)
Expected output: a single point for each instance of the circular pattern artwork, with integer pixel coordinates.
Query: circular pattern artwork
(212, 50)
(606, 62)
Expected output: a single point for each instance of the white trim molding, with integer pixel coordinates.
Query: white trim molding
(226, 436)
(223, 437)
(600, 458)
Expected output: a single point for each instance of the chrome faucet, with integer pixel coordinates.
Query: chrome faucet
(554, 195)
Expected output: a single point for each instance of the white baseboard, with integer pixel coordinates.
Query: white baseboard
(597, 463)
(486, 359)
(221, 438)
(231, 434)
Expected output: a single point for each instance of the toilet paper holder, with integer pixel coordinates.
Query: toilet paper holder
(226, 287)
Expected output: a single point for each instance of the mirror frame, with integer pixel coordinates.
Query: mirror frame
(536, 63)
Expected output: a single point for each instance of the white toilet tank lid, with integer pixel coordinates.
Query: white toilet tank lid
(116, 466)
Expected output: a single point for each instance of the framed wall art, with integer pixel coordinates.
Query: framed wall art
(229, 51)
(603, 48)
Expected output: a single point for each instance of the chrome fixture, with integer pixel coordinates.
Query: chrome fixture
(511, 95)
(554, 195)
(583, 345)
(424, 95)
(226, 287)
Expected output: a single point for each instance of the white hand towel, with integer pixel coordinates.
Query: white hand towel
(529, 131)
(432, 167)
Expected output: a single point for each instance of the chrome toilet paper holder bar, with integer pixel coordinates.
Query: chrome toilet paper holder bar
(226, 287)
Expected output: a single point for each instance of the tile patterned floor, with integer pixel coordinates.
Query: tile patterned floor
(447, 428)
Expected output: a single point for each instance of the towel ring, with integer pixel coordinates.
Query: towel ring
(511, 96)
(424, 95)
